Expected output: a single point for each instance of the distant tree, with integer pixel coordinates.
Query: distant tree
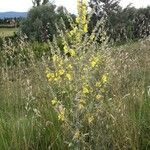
(36, 2)
(121, 24)
(104, 7)
(45, 2)
(107, 9)
(39, 2)
(142, 22)
(40, 23)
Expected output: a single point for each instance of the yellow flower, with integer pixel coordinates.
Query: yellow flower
(57, 78)
(73, 31)
(85, 28)
(61, 71)
(81, 19)
(61, 115)
(104, 78)
(69, 77)
(77, 134)
(50, 75)
(85, 68)
(90, 119)
(85, 90)
(98, 84)
(60, 62)
(54, 101)
(98, 96)
(72, 52)
(69, 66)
(94, 62)
(92, 37)
(81, 104)
(82, 101)
(66, 49)
(55, 57)
(77, 20)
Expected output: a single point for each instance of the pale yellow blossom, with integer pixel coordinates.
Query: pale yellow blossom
(69, 77)
(61, 115)
(85, 90)
(54, 101)
(61, 71)
(104, 78)
(66, 49)
(90, 119)
(50, 75)
(72, 52)
(77, 134)
(98, 96)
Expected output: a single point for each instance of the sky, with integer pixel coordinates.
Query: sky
(25, 5)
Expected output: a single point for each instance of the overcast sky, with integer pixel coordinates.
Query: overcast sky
(25, 5)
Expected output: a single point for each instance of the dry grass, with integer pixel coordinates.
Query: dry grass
(4, 32)
(118, 120)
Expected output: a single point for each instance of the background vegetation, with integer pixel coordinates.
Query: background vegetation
(77, 89)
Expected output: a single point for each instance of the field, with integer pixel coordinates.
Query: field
(4, 32)
(76, 91)
(97, 100)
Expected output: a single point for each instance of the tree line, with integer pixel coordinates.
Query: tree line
(10, 22)
(121, 24)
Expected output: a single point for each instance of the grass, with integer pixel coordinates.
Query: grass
(39, 114)
(4, 32)
(81, 95)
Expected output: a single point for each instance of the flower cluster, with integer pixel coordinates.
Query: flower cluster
(81, 19)
(81, 25)
(78, 84)
(77, 81)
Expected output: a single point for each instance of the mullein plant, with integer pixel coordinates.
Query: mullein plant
(77, 82)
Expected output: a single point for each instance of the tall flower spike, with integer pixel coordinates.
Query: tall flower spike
(81, 24)
(81, 19)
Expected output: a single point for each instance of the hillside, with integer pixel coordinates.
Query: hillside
(12, 14)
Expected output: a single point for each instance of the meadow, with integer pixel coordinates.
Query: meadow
(4, 32)
(83, 95)
(98, 100)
